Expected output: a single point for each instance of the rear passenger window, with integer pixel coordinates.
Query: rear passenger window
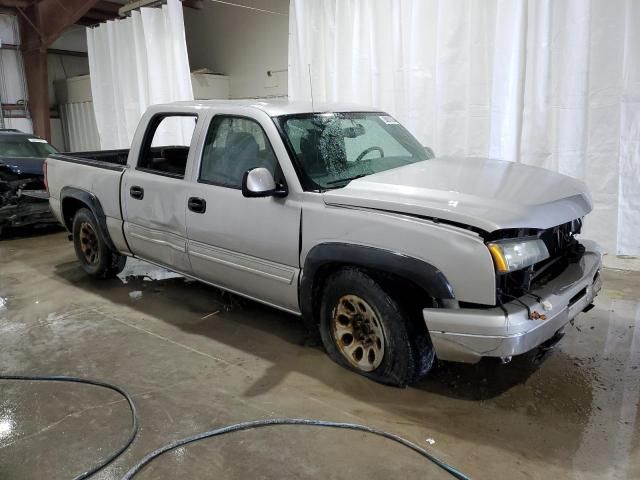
(234, 145)
(166, 145)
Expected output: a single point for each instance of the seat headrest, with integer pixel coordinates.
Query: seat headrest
(241, 141)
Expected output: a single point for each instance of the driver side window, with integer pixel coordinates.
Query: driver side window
(232, 146)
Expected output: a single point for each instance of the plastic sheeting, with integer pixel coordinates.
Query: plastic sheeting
(136, 62)
(547, 83)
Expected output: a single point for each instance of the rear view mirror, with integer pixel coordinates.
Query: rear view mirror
(258, 182)
(354, 132)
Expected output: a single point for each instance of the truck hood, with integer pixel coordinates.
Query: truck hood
(483, 193)
(23, 165)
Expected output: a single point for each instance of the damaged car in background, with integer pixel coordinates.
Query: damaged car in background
(23, 197)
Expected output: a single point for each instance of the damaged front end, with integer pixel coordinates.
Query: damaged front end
(533, 303)
(23, 199)
(563, 248)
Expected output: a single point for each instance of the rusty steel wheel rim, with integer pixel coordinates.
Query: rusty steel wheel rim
(89, 243)
(358, 333)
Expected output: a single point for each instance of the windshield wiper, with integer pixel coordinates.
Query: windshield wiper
(347, 180)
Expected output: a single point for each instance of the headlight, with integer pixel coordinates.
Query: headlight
(517, 253)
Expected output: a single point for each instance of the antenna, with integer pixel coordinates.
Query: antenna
(311, 88)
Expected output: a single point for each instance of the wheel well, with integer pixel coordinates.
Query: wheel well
(70, 206)
(412, 296)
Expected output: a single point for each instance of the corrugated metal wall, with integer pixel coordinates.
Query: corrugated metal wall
(79, 125)
(13, 87)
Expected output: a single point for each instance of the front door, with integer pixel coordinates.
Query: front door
(247, 245)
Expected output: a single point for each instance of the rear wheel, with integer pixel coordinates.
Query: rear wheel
(368, 330)
(96, 258)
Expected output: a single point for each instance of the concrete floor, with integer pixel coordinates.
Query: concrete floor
(195, 358)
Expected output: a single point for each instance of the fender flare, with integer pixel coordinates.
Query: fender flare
(419, 272)
(92, 202)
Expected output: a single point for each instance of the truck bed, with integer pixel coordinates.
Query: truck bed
(97, 174)
(109, 159)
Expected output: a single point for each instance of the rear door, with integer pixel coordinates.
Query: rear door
(247, 245)
(154, 191)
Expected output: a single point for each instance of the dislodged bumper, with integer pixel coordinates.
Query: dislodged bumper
(468, 334)
(26, 211)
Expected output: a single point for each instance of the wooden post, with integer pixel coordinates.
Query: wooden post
(35, 65)
(41, 23)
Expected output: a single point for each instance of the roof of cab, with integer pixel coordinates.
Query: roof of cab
(277, 107)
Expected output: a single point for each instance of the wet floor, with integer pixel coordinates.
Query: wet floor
(195, 358)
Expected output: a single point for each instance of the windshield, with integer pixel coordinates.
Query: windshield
(25, 147)
(333, 149)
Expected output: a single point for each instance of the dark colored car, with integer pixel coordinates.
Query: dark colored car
(23, 197)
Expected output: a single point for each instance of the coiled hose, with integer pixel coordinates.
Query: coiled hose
(64, 378)
(236, 427)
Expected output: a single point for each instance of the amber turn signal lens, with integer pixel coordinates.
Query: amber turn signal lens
(498, 258)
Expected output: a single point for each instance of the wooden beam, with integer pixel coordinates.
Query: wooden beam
(137, 4)
(53, 51)
(35, 65)
(99, 16)
(87, 22)
(109, 7)
(8, 11)
(16, 3)
(13, 106)
(68, 53)
(196, 4)
(17, 110)
(52, 17)
(41, 24)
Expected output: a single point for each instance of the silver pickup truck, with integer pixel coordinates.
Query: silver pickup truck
(338, 214)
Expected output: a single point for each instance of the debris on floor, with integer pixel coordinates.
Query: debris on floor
(135, 295)
(137, 270)
(232, 301)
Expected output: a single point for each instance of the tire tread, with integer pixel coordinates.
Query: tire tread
(411, 353)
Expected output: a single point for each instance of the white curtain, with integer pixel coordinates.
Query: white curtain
(553, 83)
(136, 62)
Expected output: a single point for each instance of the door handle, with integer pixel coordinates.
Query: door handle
(136, 192)
(197, 205)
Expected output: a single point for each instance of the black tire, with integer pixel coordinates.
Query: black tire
(98, 260)
(408, 354)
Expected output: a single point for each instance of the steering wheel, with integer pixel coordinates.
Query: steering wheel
(369, 150)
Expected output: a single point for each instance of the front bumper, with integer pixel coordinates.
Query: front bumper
(27, 211)
(468, 334)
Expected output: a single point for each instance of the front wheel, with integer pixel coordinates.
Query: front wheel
(367, 330)
(96, 258)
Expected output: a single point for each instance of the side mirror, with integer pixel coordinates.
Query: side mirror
(429, 151)
(258, 182)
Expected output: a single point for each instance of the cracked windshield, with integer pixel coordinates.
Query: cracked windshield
(333, 149)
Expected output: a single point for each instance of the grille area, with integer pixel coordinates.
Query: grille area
(563, 249)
